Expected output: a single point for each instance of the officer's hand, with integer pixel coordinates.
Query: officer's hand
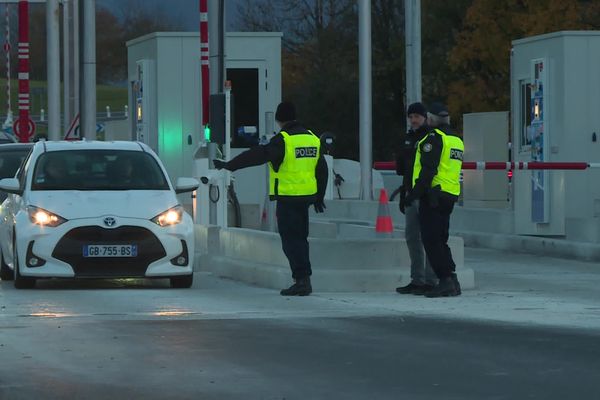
(402, 204)
(220, 164)
(319, 206)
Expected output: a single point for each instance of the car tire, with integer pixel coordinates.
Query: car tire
(21, 282)
(6, 274)
(182, 282)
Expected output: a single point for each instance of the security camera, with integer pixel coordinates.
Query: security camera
(327, 140)
(212, 177)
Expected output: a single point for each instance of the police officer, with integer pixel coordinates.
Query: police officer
(423, 279)
(436, 184)
(298, 178)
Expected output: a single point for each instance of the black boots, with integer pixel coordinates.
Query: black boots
(446, 288)
(456, 284)
(413, 288)
(301, 287)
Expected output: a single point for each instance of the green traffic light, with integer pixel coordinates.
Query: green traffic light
(207, 133)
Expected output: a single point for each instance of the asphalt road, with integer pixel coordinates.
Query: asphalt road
(223, 340)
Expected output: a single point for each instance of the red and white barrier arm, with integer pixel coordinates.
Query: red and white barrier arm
(531, 165)
(506, 166)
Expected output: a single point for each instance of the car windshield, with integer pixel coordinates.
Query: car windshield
(98, 170)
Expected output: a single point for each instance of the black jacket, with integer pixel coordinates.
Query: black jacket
(405, 159)
(431, 151)
(273, 152)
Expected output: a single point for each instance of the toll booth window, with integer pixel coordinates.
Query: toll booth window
(525, 115)
(244, 82)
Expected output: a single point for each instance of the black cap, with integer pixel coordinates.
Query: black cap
(285, 112)
(439, 109)
(417, 108)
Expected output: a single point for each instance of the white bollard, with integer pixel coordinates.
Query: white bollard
(107, 111)
(126, 111)
(42, 115)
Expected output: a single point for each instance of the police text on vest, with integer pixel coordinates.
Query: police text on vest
(304, 152)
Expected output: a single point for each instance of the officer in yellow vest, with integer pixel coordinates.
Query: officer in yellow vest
(298, 178)
(436, 184)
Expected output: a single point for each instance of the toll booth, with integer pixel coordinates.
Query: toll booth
(555, 91)
(165, 99)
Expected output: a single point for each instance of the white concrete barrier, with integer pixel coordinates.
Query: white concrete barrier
(339, 264)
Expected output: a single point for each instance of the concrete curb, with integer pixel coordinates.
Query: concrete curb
(548, 247)
(323, 280)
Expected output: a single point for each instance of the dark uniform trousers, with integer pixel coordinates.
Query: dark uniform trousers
(292, 221)
(435, 221)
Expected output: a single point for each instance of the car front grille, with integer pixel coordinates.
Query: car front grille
(70, 250)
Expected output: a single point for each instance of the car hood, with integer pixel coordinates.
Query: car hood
(73, 204)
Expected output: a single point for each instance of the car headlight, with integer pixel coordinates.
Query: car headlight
(172, 216)
(39, 216)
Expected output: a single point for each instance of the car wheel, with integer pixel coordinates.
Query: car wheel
(6, 274)
(182, 282)
(21, 282)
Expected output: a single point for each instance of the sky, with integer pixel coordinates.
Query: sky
(187, 11)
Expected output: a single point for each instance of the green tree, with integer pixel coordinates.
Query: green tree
(320, 62)
(319, 66)
(481, 57)
(111, 61)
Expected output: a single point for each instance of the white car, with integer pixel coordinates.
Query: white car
(89, 209)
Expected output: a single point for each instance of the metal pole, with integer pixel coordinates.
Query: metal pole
(24, 126)
(412, 29)
(74, 44)
(214, 46)
(214, 39)
(66, 67)
(8, 123)
(53, 68)
(88, 100)
(215, 63)
(417, 48)
(366, 139)
(204, 55)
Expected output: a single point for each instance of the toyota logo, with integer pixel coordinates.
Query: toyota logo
(109, 221)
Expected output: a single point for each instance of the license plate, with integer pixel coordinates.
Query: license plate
(110, 250)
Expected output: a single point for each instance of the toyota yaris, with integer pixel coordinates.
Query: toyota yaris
(94, 210)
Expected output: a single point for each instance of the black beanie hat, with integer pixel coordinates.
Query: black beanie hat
(439, 109)
(285, 112)
(417, 108)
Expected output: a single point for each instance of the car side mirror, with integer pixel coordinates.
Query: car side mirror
(11, 185)
(184, 185)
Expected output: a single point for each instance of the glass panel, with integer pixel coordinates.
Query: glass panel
(525, 111)
(98, 170)
(244, 83)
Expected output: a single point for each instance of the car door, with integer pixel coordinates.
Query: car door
(12, 205)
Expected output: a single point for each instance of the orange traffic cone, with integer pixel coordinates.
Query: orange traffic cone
(384, 226)
(268, 221)
(264, 215)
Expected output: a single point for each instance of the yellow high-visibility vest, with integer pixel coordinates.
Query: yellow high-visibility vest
(451, 159)
(296, 174)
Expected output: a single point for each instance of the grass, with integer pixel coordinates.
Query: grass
(115, 97)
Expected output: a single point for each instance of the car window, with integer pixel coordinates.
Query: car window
(98, 170)
(22, 171)
(10, 161)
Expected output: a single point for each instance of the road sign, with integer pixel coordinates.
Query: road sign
(24, 129)
(73, 132)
